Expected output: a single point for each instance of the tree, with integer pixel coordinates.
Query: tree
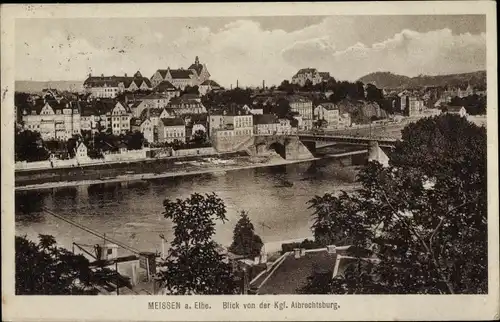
(199, 137)
(29, 147)
(194, 264)
(373, 93)
(245, 241)
(191, 90)
(134, 140)
(425, 216)
(44, 269)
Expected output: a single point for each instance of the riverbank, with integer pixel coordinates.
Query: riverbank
(215, 166)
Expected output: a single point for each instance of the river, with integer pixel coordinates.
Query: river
(131, 212)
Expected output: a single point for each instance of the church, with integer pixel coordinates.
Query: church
(194, 75)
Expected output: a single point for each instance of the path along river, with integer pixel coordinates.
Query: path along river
(131, 212)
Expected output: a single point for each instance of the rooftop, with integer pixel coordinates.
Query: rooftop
(173, 122)
(265, 119)
(292, 273)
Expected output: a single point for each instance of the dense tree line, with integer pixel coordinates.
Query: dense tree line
(424, 217)
(474, 104)
(28, 146)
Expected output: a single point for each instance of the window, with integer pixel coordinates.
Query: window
(110, 251)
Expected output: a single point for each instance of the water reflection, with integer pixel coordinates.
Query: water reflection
(132, 212)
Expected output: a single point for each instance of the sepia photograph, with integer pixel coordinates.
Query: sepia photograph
(265, 155)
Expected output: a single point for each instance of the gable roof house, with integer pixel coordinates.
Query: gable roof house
(110, 86)
(195, 74)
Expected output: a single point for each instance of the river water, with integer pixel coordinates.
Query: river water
(131, 212)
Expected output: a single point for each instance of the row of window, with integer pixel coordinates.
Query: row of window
(124, 118)
(174, 135)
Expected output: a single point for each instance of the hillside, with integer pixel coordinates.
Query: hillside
(37, 86)
(390, 80)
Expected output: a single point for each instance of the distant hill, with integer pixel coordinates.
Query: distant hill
(37, 86)
(390, 80)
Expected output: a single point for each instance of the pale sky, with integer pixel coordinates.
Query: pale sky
(250, 49)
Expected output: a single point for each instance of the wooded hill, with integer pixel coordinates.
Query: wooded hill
(390, 80)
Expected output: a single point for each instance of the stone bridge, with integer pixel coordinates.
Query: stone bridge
(289, 147)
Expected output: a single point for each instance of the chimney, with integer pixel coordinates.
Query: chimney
(296, 252)
(332, 249)
(263, 84)
(237, 84)
(102, 75)
(125, 74)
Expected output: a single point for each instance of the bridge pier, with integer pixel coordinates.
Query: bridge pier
(375, 153)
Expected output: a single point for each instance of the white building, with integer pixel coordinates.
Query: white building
(54, 121)
(111, 86)
(120, 119)
(171, 129)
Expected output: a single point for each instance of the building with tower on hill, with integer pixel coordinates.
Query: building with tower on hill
(194, 75)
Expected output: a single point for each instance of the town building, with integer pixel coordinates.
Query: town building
(81, 152)
(167, 89)
(309, 74)
(270, 124)
(238, 123)
(170, 130)
(303, 107)
(152, 101)
(195, 74)
(254, 110)
(147, 129)
(458, 110)
(328, 112)
(53, 120)
(331, 113)
(120, 119)
(154, 115)
(411, 105)
(112, 86)
(187, 104)
(95, 115)
(208, 86)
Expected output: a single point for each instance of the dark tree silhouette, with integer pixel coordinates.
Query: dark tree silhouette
(194, 264)
(425, 214)
(29, 147)
(44, 269)
(245, 241)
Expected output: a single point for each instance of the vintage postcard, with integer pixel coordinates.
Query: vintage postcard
(260, 161)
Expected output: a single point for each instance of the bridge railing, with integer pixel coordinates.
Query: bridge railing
(353, 137)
